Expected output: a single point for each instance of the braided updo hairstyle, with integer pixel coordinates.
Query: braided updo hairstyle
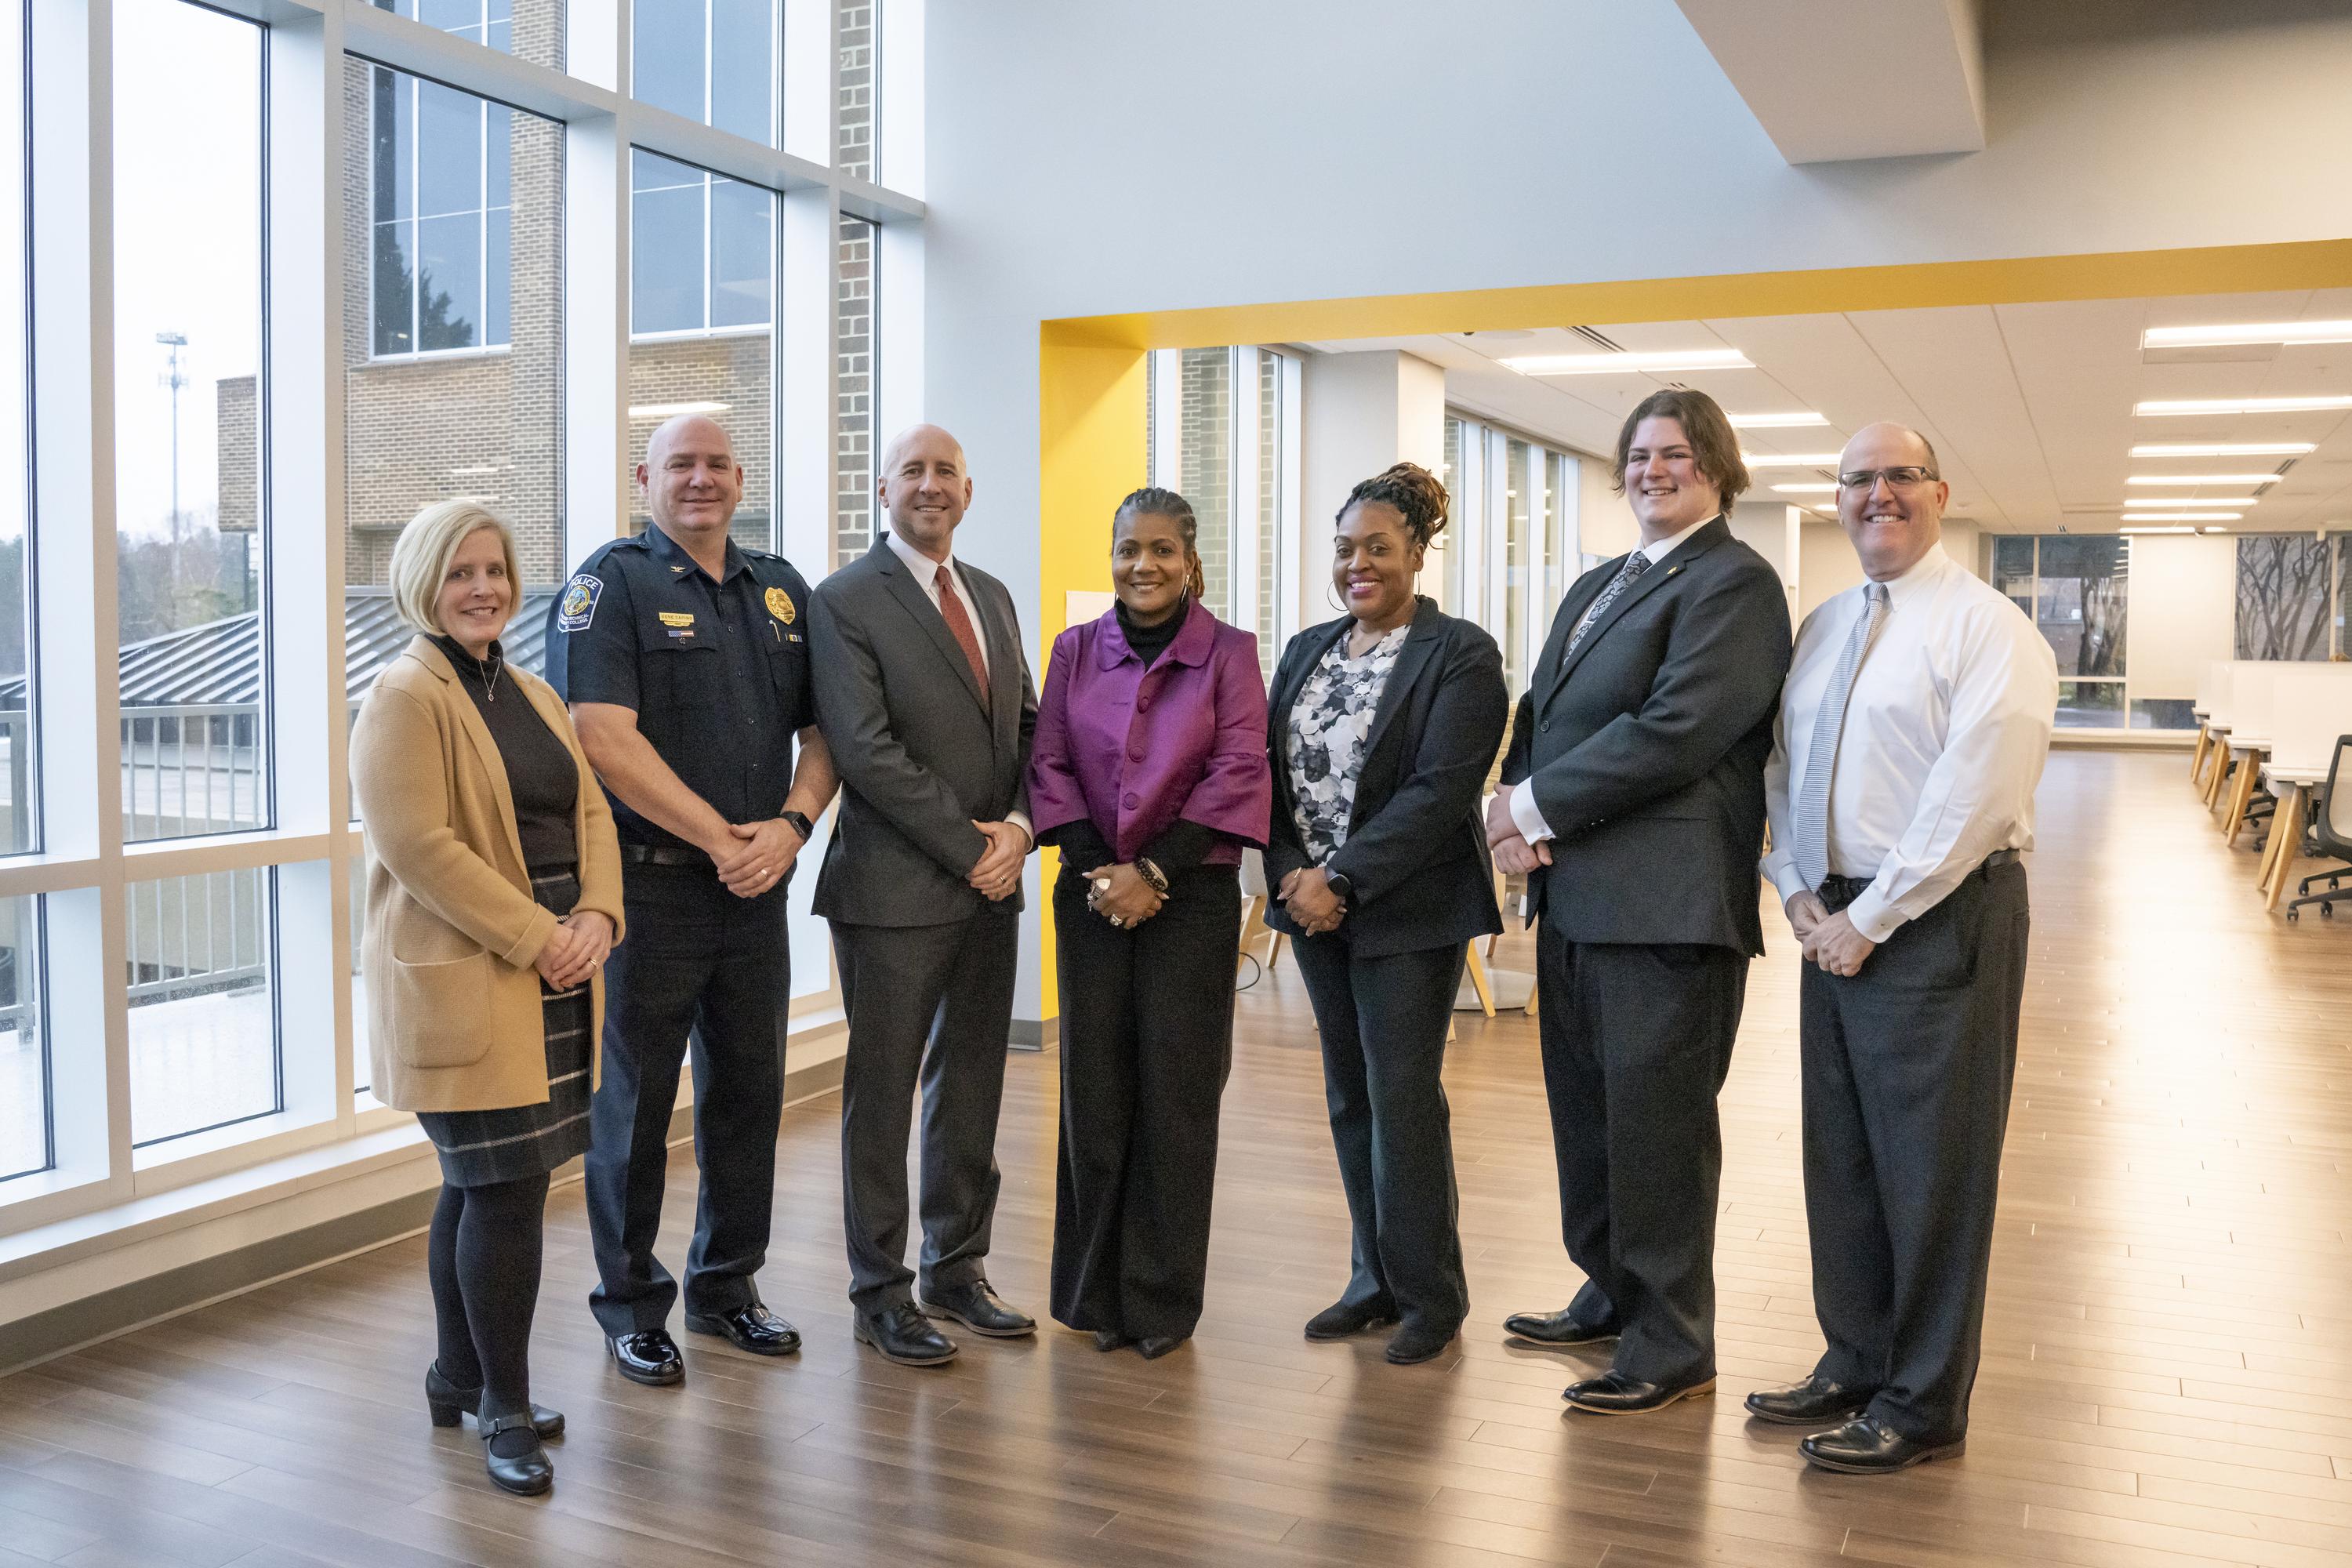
(1152, 501)
(1413, 491)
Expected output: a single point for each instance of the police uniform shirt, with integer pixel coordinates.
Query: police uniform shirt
(717, 672)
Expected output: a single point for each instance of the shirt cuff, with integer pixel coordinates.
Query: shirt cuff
(1874, 917)
(1524, 814)
(1785, 878)
(1020, 819)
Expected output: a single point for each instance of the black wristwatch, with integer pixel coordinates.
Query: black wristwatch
(799, 824)
(1342, 886)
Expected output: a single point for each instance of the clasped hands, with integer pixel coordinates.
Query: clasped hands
(1828, 939)
(997, 872)
(1306, 897)
(1513, 854)
(1122, 895)
(576, 950)
(756, 856)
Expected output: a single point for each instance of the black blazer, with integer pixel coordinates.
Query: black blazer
(919, 758)
(1646, 750)
(1416, 850)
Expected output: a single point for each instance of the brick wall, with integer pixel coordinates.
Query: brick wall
(238, 434)
(1205, 462)
(732, 369)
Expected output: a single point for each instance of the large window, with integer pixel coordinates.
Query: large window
(712, 61)
(189, 520)
(2285, 580)
(19, 817)
(441, 216)
(1220, 429)
(860, 80)
(528, 30)
(203, 1036)
(2075, 587)
(24, 1053)
(1509, 548)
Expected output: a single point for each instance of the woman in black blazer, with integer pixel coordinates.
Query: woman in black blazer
(1382, 727)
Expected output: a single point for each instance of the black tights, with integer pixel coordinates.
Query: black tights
(483, 1257)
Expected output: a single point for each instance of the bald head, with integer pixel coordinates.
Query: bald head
(693, 431)
(691, 483)
(925, 488)
(1897, 515)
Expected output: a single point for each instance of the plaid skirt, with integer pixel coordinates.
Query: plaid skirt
(479, 1148)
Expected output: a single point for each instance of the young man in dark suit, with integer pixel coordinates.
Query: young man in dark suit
(1633, 796)
(922, 681)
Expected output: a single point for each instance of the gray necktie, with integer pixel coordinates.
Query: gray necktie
(1635, 564)
(1812, 824)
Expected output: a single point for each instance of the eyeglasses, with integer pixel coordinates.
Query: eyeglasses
(1901, 479)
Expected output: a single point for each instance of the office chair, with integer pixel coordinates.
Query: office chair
(2331, 828)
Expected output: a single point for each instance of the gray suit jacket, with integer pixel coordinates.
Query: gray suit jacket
(921, 759)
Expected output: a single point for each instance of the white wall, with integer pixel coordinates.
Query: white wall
(2184, 610)
(1826, 566)
(1604, 519)
(1360, 412)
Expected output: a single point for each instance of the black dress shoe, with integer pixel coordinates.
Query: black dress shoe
(982, 1310)
(1152, 1347)
(1561, 1327)
(1343, 1319)
(1869, 1447)
(1615, 1394)
(1411, 1344)
(753, 1327)
(649, 1356)
(1816, 1402)
(902, 1334)
(447, 1401)
(1112, 1339)
(526, 1473)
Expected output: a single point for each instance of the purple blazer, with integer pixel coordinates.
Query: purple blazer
(1134, 750)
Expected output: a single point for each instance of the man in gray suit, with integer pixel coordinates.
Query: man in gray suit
(923, 694)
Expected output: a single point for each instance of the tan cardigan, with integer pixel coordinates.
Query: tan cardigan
(452, 933)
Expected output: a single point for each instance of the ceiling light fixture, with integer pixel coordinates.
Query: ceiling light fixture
(2318, 403)
(1800, 420)
(2192, 501)
(1789, 461)
(1805, 489)
(1630, 363)
(2232, 333)
(2225, 450)
(2186, 516)
(2203, 480)
(2167, 527)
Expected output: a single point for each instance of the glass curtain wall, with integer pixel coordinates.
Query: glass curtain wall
(1219, 431)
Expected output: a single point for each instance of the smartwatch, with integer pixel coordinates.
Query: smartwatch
(799, 824)
(1341, 884)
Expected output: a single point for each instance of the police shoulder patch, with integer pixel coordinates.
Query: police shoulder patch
(578, 606)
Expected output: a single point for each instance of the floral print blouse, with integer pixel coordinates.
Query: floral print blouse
(1328, 727)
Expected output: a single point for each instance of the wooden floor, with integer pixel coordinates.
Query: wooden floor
(2167, 1376)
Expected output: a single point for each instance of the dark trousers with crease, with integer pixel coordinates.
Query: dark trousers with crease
(1383, 1023)
(930, 1008)
(1147, 1040)
(1636, 1041)
(698, 961)
(1907, 1070)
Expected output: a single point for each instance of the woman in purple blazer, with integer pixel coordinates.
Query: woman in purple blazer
(1149, 774)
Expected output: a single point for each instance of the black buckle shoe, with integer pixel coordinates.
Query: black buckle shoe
(902, 1334)
(1557, 1330)
(750, 1327)
(1615, 1394)
(982, 1310)
(649, 1356)
(1343, 1320)
(1152, 1347)
(526, 1474)
(1816, 1402)
(1869, 1447)
(1411, 1344)
(448, 1403)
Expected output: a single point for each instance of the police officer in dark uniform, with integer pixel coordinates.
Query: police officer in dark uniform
(684, 661)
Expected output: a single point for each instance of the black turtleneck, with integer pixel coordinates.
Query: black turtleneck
(540, 774)
(1150, 642)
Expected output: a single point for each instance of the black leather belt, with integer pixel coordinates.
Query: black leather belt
(662, 855)
(1839, 891)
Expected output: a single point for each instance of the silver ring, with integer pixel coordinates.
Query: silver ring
(1116, 920)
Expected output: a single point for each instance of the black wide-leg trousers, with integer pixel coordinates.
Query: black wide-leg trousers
(1383, 1023)
(1907, 1067)
(1636, 1042)
(1147, 1038)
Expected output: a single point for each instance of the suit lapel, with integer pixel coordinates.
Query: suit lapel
(1004, 645)
(1672, 566)
(1550, 673)
(918, 604)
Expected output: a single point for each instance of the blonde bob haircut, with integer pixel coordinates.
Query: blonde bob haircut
(421, 557)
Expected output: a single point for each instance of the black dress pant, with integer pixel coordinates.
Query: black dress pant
(1147, 1038)
(1383, 1022)
(930, 1005)
(699, 963)
(1907, 1068)
(1636, 1042)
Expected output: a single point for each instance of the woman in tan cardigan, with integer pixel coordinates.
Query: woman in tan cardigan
(494, 894)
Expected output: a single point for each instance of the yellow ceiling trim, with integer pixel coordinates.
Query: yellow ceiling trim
(2128, 274)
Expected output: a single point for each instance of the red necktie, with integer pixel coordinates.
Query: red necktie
(951, 610)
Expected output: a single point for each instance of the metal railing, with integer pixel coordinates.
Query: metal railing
(187, 769)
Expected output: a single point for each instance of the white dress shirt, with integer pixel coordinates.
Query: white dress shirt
(1524, 814)
(1945, 737)
(926, 573)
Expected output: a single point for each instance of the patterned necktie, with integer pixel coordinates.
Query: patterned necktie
(1812, 824)
(951, 610)
(1635, 564)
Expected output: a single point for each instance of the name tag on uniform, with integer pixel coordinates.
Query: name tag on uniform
(677, 617)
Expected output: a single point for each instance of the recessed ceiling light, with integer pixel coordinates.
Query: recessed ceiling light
(1628, 363)
(2167, 527)
(2224, 450)
(2186, 516)
(2202, 479)
(671, 410)
(1797, 421)
(2192, 501)
(2318, 403)
(1789, 461)
(1805, 489)
(2230, 334)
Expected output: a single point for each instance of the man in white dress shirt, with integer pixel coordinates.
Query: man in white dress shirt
(1911, 736)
